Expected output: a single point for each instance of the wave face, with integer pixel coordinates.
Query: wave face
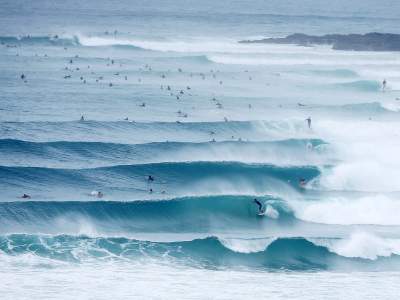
(362, 85)
(69, 154)
(12, 41)
(193, 178)
(190, 214)
(145, 132)
(156, 141)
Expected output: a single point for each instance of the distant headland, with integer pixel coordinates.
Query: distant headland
(373, 41)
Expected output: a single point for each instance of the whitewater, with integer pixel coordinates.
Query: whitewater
(134, 138)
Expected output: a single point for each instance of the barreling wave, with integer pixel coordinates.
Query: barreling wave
(193, 214)
(142, 132)
(192, 178)
(210, 252)
(188, 214)
(65, 154)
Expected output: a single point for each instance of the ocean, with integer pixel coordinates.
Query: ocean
(135, 137)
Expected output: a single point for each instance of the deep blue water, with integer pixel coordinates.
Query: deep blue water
(165, 90)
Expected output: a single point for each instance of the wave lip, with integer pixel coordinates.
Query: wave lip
(188, 178)
(147, 132)
(39, 40)
(281, 253)
(188, 214)
(360, 85)
(97, 154)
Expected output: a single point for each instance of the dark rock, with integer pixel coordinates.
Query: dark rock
(355, 42)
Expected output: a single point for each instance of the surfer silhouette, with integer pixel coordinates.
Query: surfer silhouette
(302, 182)
(260, 206)
(309, 122)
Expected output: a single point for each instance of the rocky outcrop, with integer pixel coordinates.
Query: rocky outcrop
(356, 42)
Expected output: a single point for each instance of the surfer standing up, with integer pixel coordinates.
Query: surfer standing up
(302, 182)
(309, 122)
(260, 206)
(383, 85)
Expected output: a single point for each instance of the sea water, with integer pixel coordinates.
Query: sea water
(165, 89)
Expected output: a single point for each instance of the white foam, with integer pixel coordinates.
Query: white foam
(368, 152)
(271, 212)
(246, 245)
(377, 209)
(194, 45)
(367, 176)
(361, 244)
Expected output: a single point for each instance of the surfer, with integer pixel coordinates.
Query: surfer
(82, 118)
(150, 178)
(383, 85)
(302, 182)
(260, 206)
(309, 122)
(25, 196)
(96, 194)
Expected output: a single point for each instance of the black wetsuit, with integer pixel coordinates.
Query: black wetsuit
(259, 205)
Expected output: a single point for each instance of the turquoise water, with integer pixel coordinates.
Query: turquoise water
(165, 90)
